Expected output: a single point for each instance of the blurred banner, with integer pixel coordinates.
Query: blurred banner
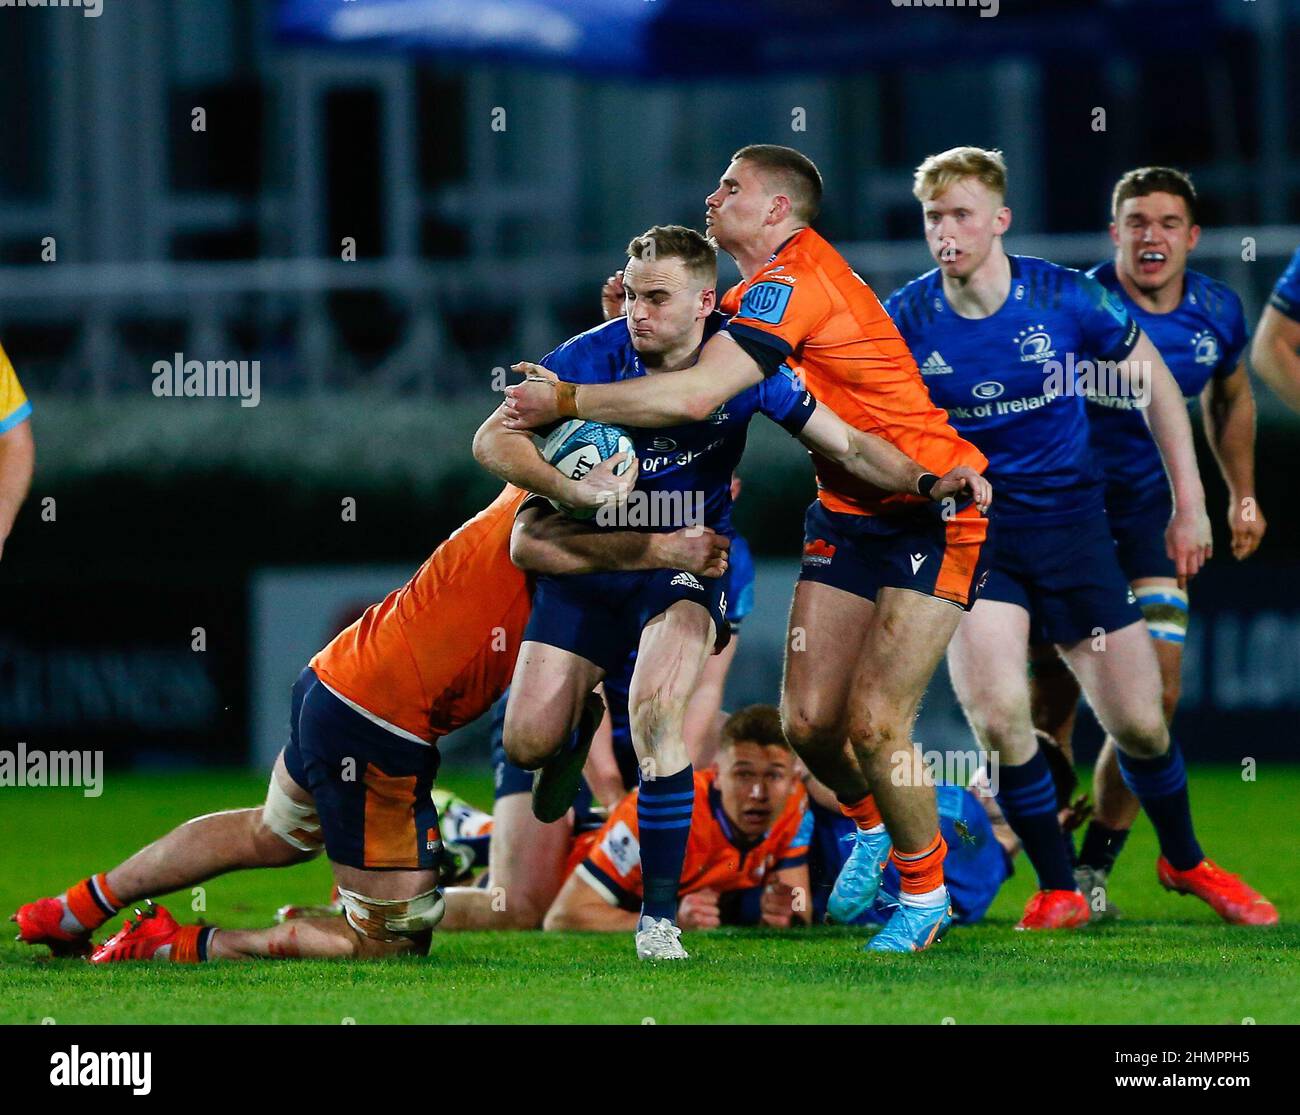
(1241, 677)
(1241, 670)
(292, 614)
(149, 673)
(747, 38)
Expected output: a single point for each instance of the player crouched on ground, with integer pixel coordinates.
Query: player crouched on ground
(745, 862)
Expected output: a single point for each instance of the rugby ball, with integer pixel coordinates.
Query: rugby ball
(576, 446)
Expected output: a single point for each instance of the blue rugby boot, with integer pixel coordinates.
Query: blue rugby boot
(912, 928)
(858, 882)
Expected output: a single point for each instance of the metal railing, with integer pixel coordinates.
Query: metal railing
(280, 311)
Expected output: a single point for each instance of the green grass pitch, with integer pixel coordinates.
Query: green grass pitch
(1170, 961)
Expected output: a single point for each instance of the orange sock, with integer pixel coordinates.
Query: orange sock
(91, 901)
(864, 812)
(190, 944)
(921, 872)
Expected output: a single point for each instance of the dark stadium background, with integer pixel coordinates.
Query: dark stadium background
(476, 248)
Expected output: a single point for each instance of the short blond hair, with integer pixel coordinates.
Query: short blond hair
(940, 172)
(699, 257)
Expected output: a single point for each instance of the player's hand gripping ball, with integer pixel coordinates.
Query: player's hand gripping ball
(577, 446)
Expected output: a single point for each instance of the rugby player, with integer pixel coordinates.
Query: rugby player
(744, 863)
(356, 776)
(670, 314)
(1275, 351)
(17, 447)
(1200, 329)
(703, 715)
(999, 335)
(886, 573)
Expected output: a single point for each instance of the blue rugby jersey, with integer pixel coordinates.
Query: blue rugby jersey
(698, 457)
(1203, 338)
(1286, 295)
(996, 378)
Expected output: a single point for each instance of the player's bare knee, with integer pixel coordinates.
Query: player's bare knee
(1143, 738)
(809, 734)
(528, 748)
(998, 726)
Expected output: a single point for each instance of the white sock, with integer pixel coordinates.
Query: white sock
(68, 922)
(927, 901)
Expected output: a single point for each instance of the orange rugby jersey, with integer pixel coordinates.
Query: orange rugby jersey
(611, 857)
(814, 308)
(437, 652)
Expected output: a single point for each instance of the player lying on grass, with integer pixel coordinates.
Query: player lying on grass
(584, 627)
(886, 573)
(356, 776)
(745, 863)
(1200, 329)
(1002, 333)
(1275, 350)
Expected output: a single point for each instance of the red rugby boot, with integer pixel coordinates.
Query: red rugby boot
(38, 924)
(1228, 895)
(1055, 909)
(152, 928)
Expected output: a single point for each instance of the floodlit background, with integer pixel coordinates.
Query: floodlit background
(188, 176)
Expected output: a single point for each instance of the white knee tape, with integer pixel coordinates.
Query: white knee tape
(386, 919)
(292, 821)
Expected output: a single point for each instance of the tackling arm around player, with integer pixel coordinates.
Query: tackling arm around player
(884, 580)
(670, 295)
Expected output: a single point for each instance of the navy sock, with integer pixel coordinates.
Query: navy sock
(1027, 796)
(663, 816)
(1161, 786)
(1101, 846)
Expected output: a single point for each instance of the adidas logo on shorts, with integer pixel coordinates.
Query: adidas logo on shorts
(687, 580)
